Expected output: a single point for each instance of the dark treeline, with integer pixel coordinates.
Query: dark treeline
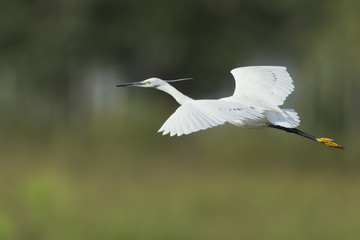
(50, 50)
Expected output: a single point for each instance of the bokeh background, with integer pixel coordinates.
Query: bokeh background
(82, 159)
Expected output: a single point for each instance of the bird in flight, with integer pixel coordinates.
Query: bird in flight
(259, 93)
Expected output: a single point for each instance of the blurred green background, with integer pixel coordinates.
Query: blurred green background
(81, 159)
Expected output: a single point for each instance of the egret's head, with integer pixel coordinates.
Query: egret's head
(150, 83)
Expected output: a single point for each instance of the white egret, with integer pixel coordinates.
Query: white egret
(259, 93)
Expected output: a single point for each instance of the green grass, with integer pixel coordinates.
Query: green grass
(175, 202)
(127, 182)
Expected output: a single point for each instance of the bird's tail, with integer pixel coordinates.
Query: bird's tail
(287, 118)
(327, 141)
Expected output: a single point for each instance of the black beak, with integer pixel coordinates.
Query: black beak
(129, 84)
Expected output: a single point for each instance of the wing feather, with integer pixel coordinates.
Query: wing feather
(203, 114)
(192, 121)
(271, 84)
(187, 124)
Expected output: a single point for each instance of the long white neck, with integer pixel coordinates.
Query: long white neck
(179, 97)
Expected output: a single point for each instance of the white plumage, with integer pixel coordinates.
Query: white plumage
(259, 91)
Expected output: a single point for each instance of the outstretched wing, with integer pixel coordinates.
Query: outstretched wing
(202, 114)
(269, 83)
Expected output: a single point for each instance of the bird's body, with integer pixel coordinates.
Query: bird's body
(259, 93)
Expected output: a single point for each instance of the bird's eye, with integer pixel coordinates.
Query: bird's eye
(147, 82)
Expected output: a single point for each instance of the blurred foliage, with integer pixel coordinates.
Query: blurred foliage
(80, 159)
(48, 49)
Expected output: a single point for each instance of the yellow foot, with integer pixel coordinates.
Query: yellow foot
(329, 142)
